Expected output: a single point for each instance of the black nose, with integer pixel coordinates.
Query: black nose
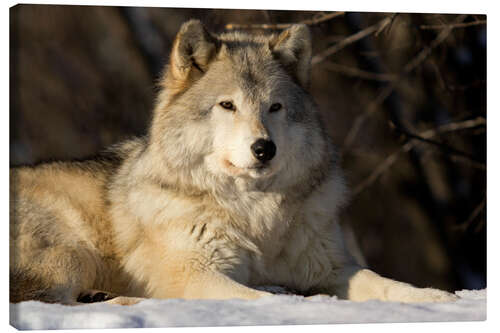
(263, 150)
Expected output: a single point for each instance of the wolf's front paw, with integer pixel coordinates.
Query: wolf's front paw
(429, 295)
(124, 300)
(436, 295)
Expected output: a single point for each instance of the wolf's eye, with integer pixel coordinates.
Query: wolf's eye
(275, 107)
(227, 105)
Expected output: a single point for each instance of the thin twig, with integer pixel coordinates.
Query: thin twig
(387, 91)
(439, 76)
(310, 22)
(382, 28)
(470, 163)
(392, 158)
(455, 126)
(360, 120)
(356, 72)
(351, 39)
(440, 145)
(322, 18)
(424, 53)
(381, 168)
(452, 26)
(479, 208)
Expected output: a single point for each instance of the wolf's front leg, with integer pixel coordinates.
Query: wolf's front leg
(206, 285)
(361, 284)
(213, 285)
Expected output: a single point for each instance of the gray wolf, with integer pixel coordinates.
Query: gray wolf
(235, 186)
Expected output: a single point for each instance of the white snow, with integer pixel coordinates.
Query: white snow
(275, 310)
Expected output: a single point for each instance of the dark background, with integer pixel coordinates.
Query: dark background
(83, 77)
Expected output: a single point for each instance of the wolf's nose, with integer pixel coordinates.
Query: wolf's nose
(263, 150)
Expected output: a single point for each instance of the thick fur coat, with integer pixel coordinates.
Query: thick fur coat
(235, 186)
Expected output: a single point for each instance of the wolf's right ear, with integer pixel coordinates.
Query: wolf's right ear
(194, 47)
(293, 49)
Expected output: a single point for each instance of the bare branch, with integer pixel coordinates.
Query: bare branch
(452, 26)
(310, 22)
(440, 145)
(381, 168)
(389, 161)
(422, 55)
(323, 18)
(387, 91)
(470, 163)
(382, 28)
(356, 72)
(475, 213)
(456, 126)
(351, 39)
(360, 120)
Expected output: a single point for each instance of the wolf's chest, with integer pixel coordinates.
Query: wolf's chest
(297, 256)
(291, 246)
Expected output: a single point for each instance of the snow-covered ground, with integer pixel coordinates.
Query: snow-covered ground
(276, 310)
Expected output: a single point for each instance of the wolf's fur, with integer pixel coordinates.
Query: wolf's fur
(188, 211)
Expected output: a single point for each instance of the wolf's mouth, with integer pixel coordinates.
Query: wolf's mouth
(235, 170)
(259, 166)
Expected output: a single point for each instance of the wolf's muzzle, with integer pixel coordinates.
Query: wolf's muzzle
(263, 150)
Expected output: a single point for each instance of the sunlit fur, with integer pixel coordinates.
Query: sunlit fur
(188, 211)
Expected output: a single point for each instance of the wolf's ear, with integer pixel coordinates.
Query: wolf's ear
(194, 47)
(293, 49)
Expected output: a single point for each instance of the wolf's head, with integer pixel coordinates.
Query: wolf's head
(237, 106)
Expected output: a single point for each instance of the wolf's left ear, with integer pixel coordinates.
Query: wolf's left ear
(194, 48)
(293, 49)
